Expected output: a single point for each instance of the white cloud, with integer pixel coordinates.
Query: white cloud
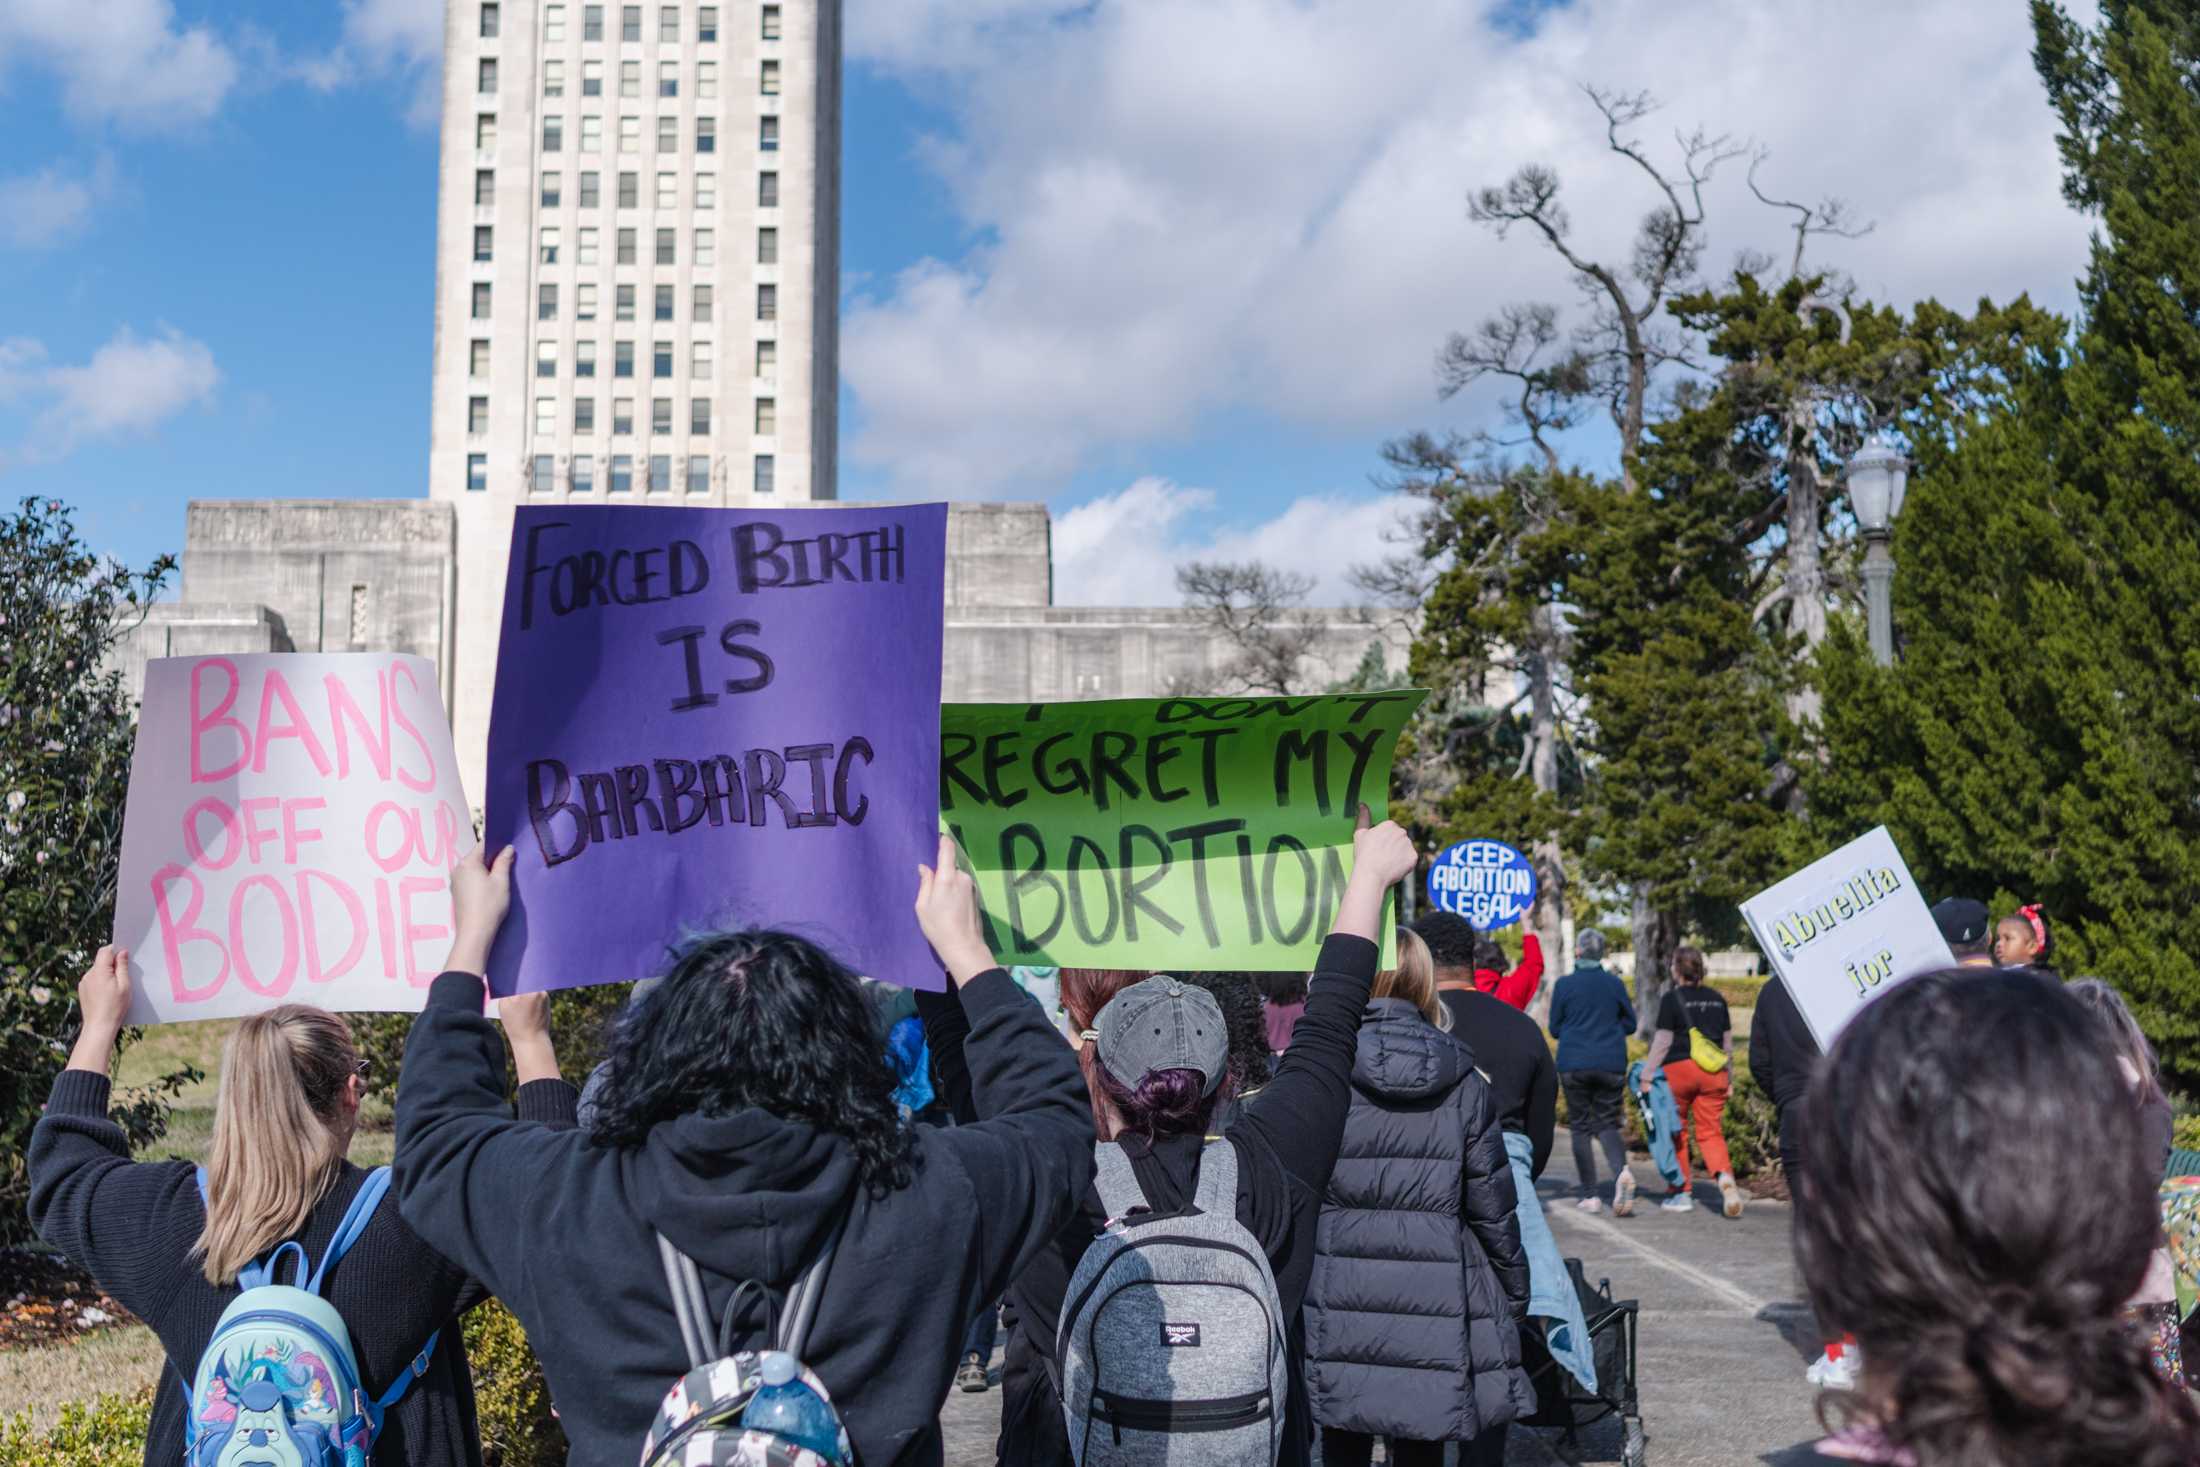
(123, 61)
(1123, 549)
(132, 384)
(46, 207)
(388, 39)
(1220, 205)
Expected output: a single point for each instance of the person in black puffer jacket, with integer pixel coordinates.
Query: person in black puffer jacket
(1420, 1283)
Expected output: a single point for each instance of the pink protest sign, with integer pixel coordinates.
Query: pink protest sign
(293, 818)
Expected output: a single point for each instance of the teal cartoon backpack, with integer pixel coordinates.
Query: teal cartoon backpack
(279, 1385)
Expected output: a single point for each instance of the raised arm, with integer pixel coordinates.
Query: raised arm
(129, 1224)
(1301, 1113)
(1518, 987)
(1028, 1144)
(462, 1158)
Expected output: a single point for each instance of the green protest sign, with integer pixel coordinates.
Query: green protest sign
(1185, 833)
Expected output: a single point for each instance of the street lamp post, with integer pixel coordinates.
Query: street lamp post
(1877, 477)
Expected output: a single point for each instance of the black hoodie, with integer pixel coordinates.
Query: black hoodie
(561, 1227)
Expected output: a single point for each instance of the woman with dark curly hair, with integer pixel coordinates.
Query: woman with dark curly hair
(747, 1111)
(1988, 1288)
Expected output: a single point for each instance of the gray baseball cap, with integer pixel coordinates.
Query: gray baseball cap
(1163, 1023)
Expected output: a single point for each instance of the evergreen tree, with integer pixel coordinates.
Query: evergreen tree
(2039, 739)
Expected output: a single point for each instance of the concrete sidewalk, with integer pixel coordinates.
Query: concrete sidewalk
(1723, 1343)
(1725, 1336)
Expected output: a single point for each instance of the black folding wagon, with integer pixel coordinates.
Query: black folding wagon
(1561, 1401)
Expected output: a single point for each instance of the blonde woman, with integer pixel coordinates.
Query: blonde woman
(1420, 1280)
(277, 1172)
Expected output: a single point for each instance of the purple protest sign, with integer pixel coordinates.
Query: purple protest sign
(711, 718)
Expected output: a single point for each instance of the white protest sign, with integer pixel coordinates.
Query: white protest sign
(292, 821)
(1844, 929)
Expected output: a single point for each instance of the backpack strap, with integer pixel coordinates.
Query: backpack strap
(1116, 1180)
(379, 1407)
(355, 1220)
(691, 1307)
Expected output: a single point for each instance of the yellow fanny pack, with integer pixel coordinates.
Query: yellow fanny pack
(1708, 1056)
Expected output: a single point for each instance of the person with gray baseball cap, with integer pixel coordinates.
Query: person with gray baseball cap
(1156, 1051)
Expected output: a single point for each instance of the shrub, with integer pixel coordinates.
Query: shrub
(107, 1431)
(513, 1403)
(66, 730)
(1740, 993)
(579, 1020)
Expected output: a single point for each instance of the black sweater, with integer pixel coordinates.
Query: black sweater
(1510, 1051)
(132, 1226)
(1286, 1138)
(563, 1227)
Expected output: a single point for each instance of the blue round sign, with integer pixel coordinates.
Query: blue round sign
(1485, 881)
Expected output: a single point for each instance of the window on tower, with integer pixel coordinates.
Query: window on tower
(477, 416)
(630, 23)
(485, 76)
(767, 134)
(660, 473)
(484, 244)
(661, 308)
(770, 31)
(700, 309)
(543, 478)
(766, 473)
(767, 416)
(706, 23)
(630, 190)
(490, 18)
(622, 473)
(477, 473)
(584, 473)
(660, 416)
(706, 134)
(668, 134)
(477, 358)
(630, 78)
(546, 294)
(592, 77)
(668, 78)
(767, 246)
(768, 81)
(485, 132)
(622, 359)
(698, 473)
(481, 300)
(767, 190)
(584, 302)
(485, 187)
(699, 415)
(553, 134)
(667, 253)
(592, 24)
(668, 24)
(553, 78)
(553, 189)
(553, 23)
(767, 303)
(660, 359)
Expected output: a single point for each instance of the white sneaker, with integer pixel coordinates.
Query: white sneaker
(1678, 1202)
(1837, 1373)
(1590, 1204)
(1730, 1195)
(1623, 1195)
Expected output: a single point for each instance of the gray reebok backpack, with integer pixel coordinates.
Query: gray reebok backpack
(1172, 1343)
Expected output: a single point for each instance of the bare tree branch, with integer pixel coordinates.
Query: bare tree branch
(1829, 215)
(1258, 610)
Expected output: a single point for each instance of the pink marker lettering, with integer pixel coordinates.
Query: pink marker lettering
(254, 835)
(288, 972)
(343, 710)
(272, 690)
(408, 888)
(226, 818)
(177, 931)
(202, 722)
(309, 926)
(397, 710)
(294, 834)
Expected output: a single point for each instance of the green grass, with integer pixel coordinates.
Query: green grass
(43, 1380)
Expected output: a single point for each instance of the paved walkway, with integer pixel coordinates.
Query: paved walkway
(1724, 1337)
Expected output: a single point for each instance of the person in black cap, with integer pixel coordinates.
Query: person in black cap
(1964, 925)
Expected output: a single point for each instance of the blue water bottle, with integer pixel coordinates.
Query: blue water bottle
(789, 1409)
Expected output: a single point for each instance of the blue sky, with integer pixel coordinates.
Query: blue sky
(1176, 267)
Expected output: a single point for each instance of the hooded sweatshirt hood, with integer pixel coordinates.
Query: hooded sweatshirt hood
(1402, 1056)
(747, 1195)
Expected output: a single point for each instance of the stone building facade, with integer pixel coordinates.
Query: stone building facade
(317, 575)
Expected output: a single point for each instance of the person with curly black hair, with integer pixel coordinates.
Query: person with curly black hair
(746, 1111)
(1246, 1016)
(1988, 1288)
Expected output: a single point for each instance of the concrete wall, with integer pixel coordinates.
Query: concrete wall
(338, 575)
(195, 629)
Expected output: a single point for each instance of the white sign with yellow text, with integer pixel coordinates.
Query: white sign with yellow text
(1845, 929)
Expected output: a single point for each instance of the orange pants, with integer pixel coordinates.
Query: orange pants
(1701, 1100)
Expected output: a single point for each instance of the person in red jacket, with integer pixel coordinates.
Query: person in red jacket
(1517, 987)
